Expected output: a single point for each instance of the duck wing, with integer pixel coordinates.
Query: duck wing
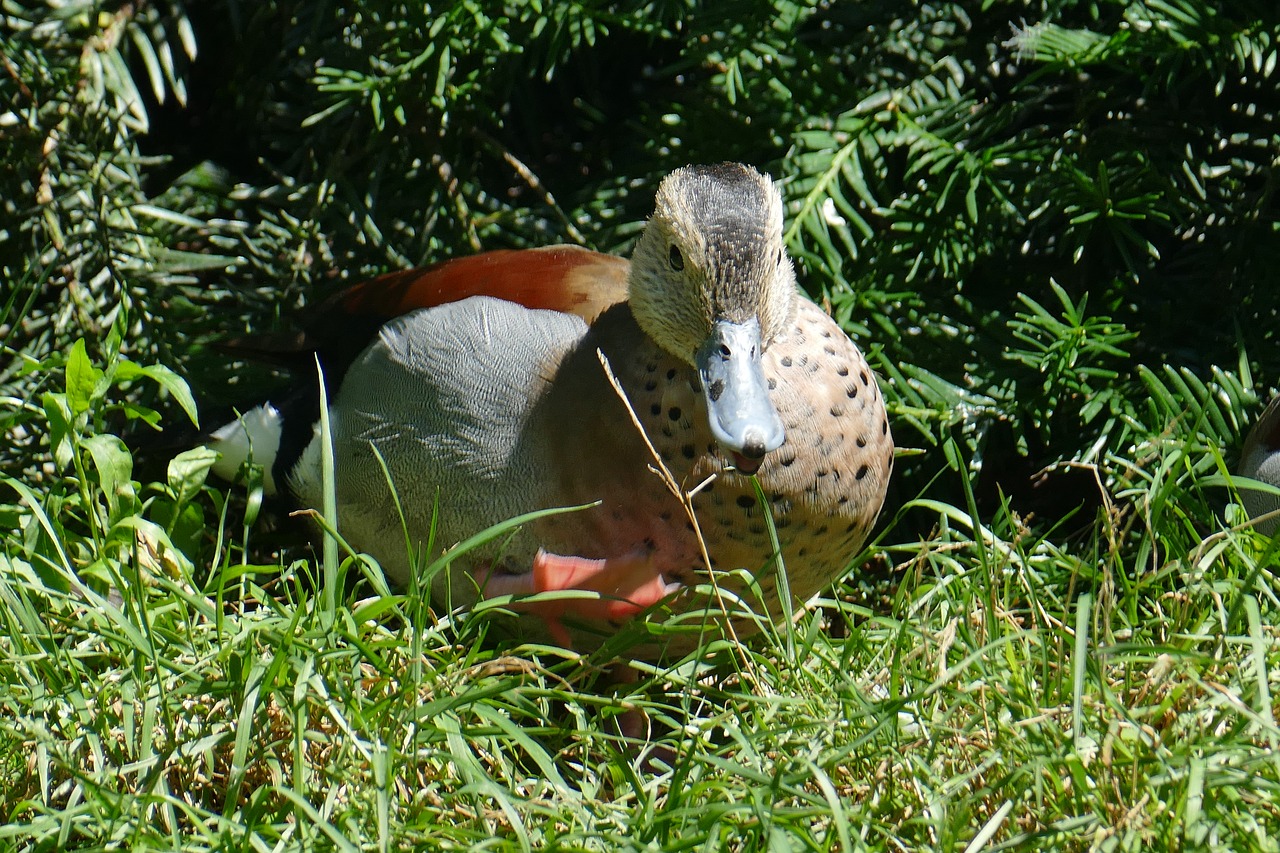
(568, 279)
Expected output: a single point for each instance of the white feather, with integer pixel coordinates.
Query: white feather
(253, 437)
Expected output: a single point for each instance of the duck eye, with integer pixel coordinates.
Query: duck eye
(675, 259)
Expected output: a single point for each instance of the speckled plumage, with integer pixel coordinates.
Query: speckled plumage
(825, 484)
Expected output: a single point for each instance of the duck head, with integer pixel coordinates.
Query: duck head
(712, 285)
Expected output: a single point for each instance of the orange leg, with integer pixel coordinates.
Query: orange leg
(627, 585)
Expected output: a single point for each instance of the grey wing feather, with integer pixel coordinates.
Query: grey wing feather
(444, 394)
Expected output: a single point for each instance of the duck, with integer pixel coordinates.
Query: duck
(1260, 460)
(725, 443)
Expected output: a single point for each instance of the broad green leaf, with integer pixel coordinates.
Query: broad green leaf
(188, 472)
(58, 416)
(82, 378)
(114, 465)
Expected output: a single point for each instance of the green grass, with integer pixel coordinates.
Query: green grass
(1000, 690)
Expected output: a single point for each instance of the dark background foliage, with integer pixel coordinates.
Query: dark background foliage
(1026, 211)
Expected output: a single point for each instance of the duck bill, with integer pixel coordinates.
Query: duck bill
(742, 417)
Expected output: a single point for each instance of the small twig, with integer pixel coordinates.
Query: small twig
(535, 183)
(17, 78)
(450, 183)
(659, 467)
(711, 478)
(664, 474)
